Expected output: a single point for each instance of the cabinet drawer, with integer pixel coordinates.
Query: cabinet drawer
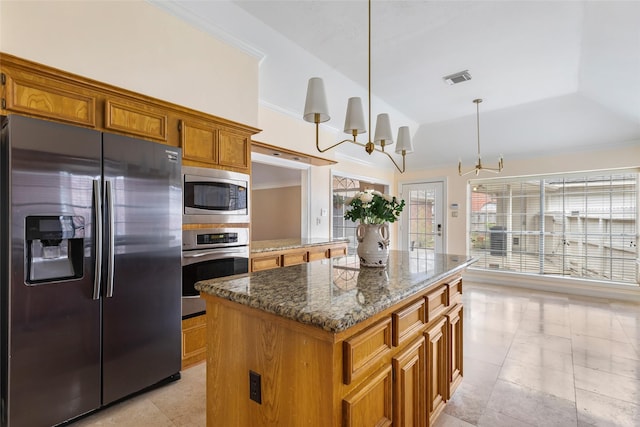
(294, 258)
(338, 251)
(408, 321)
(265, 262)
(317, 253)
(437, 302)
(361, 351)
(455, 291)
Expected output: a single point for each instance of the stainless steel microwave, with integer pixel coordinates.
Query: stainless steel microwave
(214, 196)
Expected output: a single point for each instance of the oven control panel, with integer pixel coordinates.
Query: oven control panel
(214, 238)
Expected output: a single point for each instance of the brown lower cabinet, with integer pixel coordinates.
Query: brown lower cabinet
(282, 258)
(395, 368)
(436, 337)
(194, 340)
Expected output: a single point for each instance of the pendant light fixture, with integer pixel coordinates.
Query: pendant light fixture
(479, 166)
(316, 111)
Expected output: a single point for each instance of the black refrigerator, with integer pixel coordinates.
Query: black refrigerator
(90, 263)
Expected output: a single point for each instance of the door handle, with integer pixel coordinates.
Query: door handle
(439, 229)
(97, 226)
(108, 198)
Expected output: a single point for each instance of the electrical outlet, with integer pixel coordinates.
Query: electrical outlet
(255, 387)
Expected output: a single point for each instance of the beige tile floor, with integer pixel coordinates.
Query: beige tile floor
(531, 359)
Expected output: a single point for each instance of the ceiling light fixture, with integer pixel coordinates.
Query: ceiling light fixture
(316, 111)
(479, 166)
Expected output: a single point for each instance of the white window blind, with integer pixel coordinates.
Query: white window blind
(574, 225)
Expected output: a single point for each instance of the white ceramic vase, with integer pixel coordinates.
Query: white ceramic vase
(373, 244)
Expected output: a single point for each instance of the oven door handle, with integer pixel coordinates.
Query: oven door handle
(191, 257)
(195, 255)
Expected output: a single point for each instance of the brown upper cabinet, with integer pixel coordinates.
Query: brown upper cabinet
(38, 90)
(214, 145)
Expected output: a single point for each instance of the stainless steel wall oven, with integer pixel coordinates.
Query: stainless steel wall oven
(209, 254)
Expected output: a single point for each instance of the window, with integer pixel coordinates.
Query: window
(581, 226)
(343, 188)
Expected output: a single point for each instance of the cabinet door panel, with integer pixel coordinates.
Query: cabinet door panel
(370, 404)
(199, 142)
(234, 150)
(194, 340)
(409, 386)
(455, 357)
(135, 119)
(50, 99)
(436, 368)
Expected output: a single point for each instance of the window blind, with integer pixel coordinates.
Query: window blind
(578, 225)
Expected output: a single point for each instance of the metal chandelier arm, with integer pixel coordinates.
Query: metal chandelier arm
(353, 141)
(322, 150)
(401, 170)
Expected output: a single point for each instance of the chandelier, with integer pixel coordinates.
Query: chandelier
(479, 166)
(316, 111)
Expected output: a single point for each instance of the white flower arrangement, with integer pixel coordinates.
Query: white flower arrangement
(373, 207)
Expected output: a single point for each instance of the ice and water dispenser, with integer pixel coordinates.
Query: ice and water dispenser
(54, 248)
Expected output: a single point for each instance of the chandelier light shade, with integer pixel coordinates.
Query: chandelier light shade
(383, 134)
(478, 167)
(316, 103)
(404, 141)
(315, 111)
(354, 120)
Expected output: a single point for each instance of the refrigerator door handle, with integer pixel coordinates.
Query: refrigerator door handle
(110, 248)
(97, 275)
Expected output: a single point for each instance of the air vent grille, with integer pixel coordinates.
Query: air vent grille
(459, 77)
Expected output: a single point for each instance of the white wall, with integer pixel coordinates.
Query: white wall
(136, 46)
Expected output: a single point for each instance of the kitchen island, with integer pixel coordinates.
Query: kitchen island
(327, 343)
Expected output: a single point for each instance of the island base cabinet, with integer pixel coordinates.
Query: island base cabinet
(437, 391)
(409, 386)
(454, 325)
(358, 377)
(370, 404)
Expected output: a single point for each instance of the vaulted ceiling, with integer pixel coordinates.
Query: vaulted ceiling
(555, 76)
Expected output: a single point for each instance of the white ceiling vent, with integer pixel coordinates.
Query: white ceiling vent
(459, 77)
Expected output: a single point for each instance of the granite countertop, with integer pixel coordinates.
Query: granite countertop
(281, 244)
(335, 294)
